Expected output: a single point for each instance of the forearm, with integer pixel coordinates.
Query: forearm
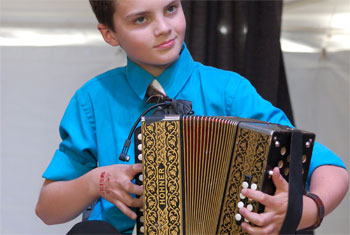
(62, 201)
(330, 183)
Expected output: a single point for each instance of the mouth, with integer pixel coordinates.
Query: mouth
(166, 44)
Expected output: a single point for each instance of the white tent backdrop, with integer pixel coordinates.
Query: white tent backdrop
(49, 48)
(315, 41)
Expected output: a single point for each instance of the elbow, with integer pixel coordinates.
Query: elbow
(42, 209)
(346, 179)
(343, 181)
(40, 213)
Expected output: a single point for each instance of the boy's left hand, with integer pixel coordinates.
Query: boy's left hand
(271, 220)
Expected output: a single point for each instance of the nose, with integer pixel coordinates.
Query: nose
(162, 27)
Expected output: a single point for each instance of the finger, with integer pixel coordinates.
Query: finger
(128, 200)
(280, 183)
(136, 168)
(261, 220)
(132, 170)
(133, 188)
(126, 210)
(142, 198)
(263, 198)
(136, 203)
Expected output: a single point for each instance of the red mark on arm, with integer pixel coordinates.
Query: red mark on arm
(104, 183)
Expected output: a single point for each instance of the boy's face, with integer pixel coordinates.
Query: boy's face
(150, 31)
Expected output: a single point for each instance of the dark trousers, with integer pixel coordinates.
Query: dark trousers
(93, 227)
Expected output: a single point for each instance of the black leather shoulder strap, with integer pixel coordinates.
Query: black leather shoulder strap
(295, 195)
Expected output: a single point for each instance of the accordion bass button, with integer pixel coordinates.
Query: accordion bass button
(139, 157)
(238, 217)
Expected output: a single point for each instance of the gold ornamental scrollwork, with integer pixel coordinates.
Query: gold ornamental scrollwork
(162, 180)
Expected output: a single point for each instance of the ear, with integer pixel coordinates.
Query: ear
(108, 35)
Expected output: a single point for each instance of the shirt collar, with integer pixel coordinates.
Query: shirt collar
(172, 79)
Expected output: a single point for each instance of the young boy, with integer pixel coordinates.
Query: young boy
(100, 115)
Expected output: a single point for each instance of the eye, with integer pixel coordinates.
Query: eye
(171, 9)
(140, 20)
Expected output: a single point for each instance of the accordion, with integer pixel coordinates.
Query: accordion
(194, 168)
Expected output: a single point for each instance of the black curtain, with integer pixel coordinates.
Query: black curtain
(241, 36)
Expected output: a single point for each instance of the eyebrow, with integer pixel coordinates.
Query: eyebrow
(132, 15)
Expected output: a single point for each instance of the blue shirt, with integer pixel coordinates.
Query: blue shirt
(102, 112)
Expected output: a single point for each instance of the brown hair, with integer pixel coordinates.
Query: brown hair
(104, 10)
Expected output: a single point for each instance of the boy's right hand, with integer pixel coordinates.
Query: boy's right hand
(115, 186)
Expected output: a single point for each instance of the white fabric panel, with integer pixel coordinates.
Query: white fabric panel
(315, 41)
(319, 89)
(36, 86)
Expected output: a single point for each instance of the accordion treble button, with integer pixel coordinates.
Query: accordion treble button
(139, 136)
(240, 204)
(142, 219)
(245, 184)
(139, 147)
(142, 229)
(139, 157)
(140, 177)
(254, 186)
(238, 217)
(241, 196)
(250, 207)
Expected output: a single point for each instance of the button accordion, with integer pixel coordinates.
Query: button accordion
(194, 168)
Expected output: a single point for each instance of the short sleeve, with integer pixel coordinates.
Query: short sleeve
(321, 156)
(76, 154)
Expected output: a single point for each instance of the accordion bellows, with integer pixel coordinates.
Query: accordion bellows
(194, 168)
